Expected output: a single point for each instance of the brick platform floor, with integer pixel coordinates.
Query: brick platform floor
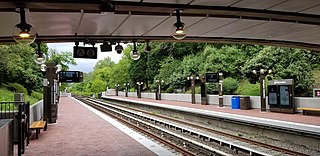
(298, 118)
(80, 132)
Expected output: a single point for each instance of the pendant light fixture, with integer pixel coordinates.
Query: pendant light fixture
(178, 30)
(135, 54)
(23, 32)
(39, 57)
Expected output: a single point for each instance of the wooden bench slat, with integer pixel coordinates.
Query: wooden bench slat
(38, 125)
(309, 109)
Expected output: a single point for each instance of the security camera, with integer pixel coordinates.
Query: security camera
(119, 48)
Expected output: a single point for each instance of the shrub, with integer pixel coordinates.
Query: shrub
(37, 95)
(18, 88)
(230, 85)
(212, 88)
(169, 90)
(246, 88)
(197, 90)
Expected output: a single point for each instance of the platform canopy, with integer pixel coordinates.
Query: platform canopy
(291, 23)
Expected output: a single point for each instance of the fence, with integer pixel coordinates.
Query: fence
(20, 112)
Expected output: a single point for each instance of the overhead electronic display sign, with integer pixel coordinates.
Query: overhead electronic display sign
(212, 77)
(85, 52)
(70, 76)
(316, 93)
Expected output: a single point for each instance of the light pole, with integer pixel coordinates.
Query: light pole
(126, 88)
(193, 96)
(158, 92)
(262, 75)
(139, 83)
(117, 88)
(220, 86)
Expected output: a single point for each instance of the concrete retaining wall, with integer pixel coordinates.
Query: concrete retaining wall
(214, 99)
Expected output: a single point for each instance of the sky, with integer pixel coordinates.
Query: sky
(85, 65)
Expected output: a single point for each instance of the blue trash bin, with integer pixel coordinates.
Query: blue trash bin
(235, 102)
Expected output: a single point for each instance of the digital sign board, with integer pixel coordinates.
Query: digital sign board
(212, 77)
(70, 76)
(316, 93)
(85, 52)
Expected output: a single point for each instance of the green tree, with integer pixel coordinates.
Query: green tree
(62, 58)
(286, 63)
(17, 66)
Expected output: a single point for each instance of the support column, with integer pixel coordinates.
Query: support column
(220, 86)
(262, 92)
(193, 96)
(159, 90)
(126, 91)
(49, 113)
(204, 99)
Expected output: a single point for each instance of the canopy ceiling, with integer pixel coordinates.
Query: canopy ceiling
(292, 23)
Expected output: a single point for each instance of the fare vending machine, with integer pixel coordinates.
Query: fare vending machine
(281, 96)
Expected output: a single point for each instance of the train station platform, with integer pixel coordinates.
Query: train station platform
(294, 122)
(81, 130)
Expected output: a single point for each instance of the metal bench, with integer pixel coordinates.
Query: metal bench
(37, 125)
(306, 111)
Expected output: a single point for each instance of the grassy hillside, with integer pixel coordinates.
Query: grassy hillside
(7, 96)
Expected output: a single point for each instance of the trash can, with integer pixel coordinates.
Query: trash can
(235, 102)
(245, 102)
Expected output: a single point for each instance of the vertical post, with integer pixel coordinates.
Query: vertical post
(220, 86)
(159, 92)
(139, 89)
(193, 96)
(204, 100)
(117, 89)
(262, 91)
(126, 91)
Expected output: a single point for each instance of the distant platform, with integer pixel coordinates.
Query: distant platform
(294, 122)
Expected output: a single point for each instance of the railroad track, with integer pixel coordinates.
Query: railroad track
(201, 140)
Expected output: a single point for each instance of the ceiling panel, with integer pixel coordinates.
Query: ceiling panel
(136, 25)
(127, 0)
(214, 2)
(207, 25)
(56, 23)
(233, 27)
(312, 33)
(8, 22)
(257, 4)
(96, 24)
(286, 29)
(169, 1)
(164, 29)
(313, 10)
(295, 5)
(262, 29)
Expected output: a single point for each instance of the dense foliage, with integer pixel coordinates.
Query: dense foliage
(19, 72)
(174, 62)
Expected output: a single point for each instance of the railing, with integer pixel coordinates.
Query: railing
(20, 112)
